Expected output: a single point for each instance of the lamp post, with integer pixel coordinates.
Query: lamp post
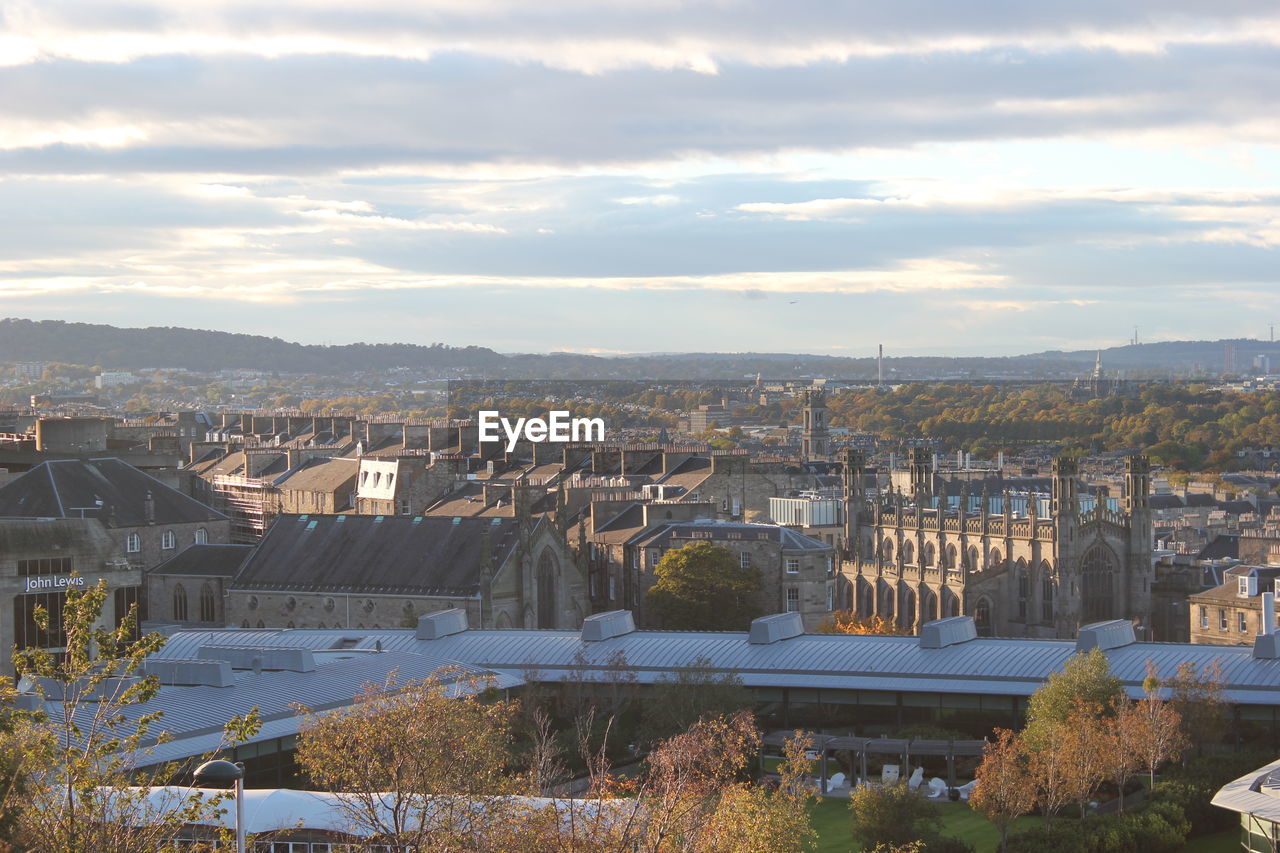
(224, 774)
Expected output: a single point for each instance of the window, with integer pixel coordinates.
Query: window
(44, 566)
(831, 566)
(793, 599)
(831, 597)
(793, 565)
(1242, 621)
(404, 507)
(208, 604)
(744, 560)
(132, 543)
(180, 603)
(1046, 598)
(1222, 619)
(167, 540)
(1204, 616)
(202, 536)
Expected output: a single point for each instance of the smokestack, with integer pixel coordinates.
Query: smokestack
(1268, 613)
(880, 367)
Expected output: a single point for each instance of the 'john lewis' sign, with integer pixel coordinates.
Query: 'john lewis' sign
(53, 583)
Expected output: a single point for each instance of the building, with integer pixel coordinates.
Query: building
(815, 437)
(1040, 566)
(353, 571)
(190, 588)
(1255, 796)
(40, 560)
(148, 520)
(1231, 613)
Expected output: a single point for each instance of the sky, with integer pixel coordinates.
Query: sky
(614, 176)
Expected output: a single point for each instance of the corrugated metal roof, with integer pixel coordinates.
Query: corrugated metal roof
(984, 665)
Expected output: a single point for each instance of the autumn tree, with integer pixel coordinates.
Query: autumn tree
(753, 818)
(1084, 741)
(1084, 677)
(77, 767)
(1196, 695)
(1004, 788)
(424, 762)
(704, 587)
(1152, 732)
(892, 815)
(848, 622)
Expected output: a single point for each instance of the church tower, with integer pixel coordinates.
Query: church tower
(815, 437)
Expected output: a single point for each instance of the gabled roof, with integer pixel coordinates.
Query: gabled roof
(321, 474)
(110, 490)
(205, 561)
(1224, 545)
(376, 554)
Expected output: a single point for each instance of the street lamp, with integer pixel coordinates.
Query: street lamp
(224, 774)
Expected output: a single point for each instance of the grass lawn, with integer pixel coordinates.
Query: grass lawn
(831, 820)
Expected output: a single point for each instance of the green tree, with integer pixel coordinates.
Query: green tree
(75, 781)
(892, 815)
(703, 587)
(1085, 677)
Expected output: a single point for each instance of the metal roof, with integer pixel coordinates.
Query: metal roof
(985, 665)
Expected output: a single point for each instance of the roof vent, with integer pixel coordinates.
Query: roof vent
(1113, 634)
(207, 673)
(433, 626)
(1266, 646)
(604, 626)
(951, 631)
(775, 628)
(269, 657)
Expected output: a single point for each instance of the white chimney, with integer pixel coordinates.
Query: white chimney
(1268, 613)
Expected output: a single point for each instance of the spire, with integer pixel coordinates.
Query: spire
(1097, 366)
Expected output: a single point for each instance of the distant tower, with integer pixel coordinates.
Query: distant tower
(816, 439)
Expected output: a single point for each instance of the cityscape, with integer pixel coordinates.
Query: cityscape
(711, 427)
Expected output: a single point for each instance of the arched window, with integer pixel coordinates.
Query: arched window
(886, 550)
(995, 560)
(1023, 585)
(927, 555)
(1047, 588)
(887, 602)
(950, 603)
(949, 561)
(208, 604)
(908, 552)
(167, 540)
(982, 617)
(907, 616)
(202, 536)
(546, 579)
(132, 543)
(974, 564)
(1098, 581)
(866, 598)
(179, 603)
(929, 602)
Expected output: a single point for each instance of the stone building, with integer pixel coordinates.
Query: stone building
(1230, 614)
(353, 571)
(189, 588)
(42, 558)
(1041, 570)
(149, 521)
(625, 540)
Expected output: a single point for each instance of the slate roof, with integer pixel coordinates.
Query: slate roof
(375, 554)
(1224, 545)
(72, 488)
(321, 474)
(205, 561)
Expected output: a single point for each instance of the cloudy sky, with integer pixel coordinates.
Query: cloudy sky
(641, 175)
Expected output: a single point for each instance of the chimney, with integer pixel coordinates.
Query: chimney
(149, 508)
(1268, 613)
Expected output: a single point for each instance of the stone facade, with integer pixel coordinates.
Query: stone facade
(1020, 575)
